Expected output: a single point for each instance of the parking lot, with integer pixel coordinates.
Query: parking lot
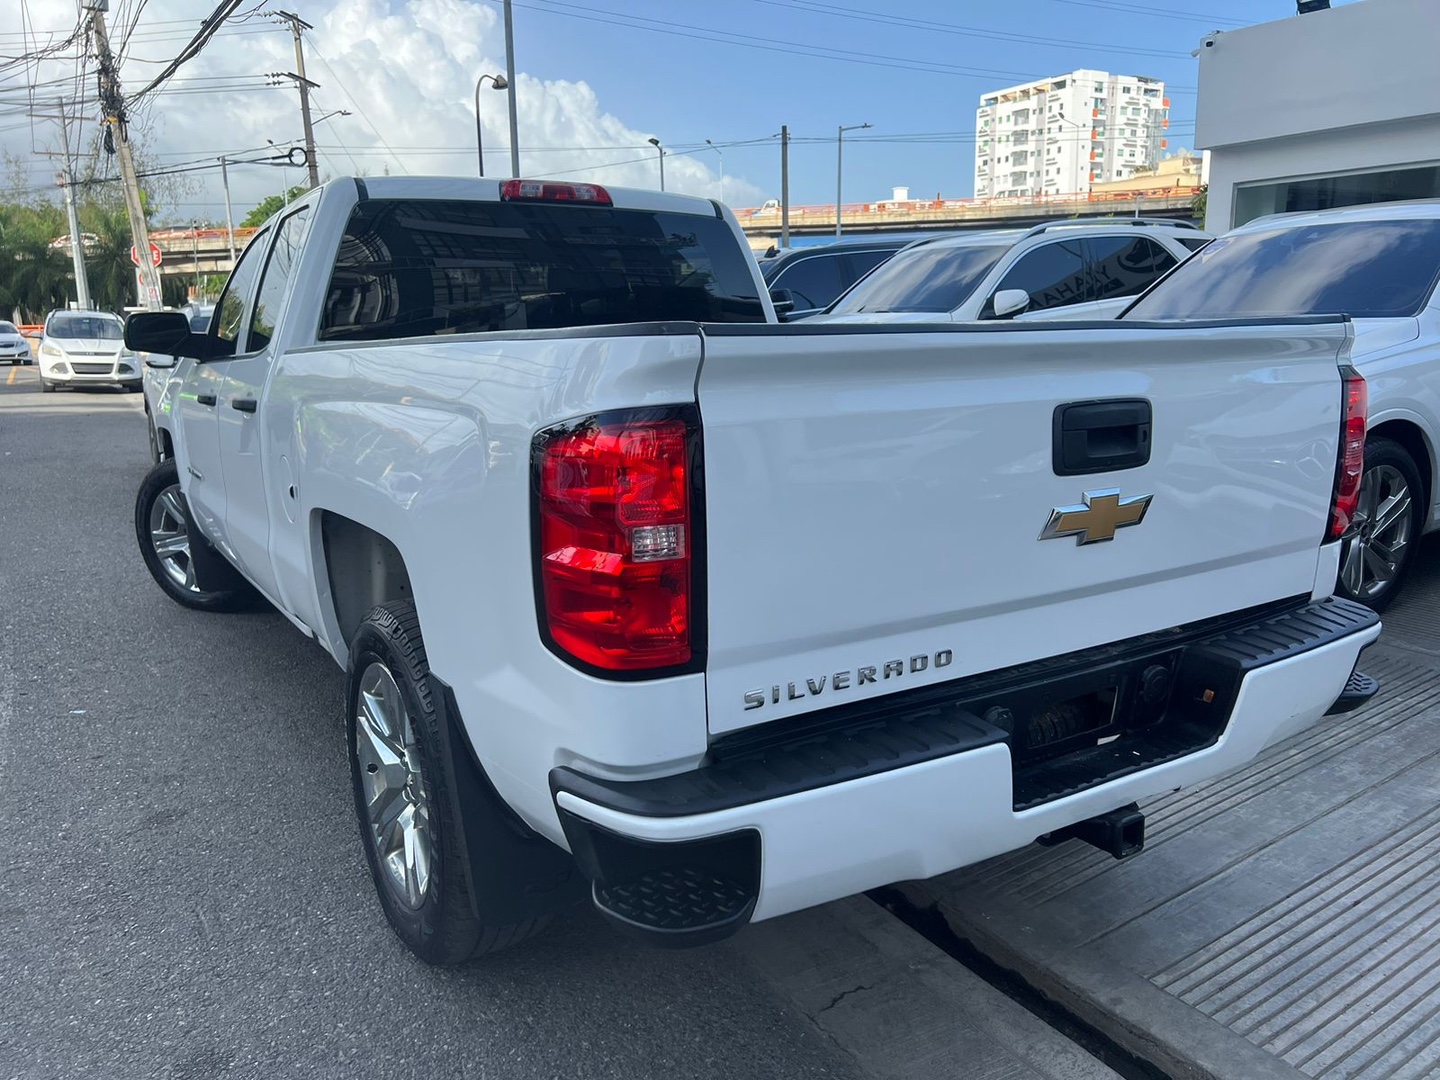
(185, 894)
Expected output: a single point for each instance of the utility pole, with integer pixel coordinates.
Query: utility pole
(112, 105)
(510, 81)
(77, 249)
(229, 220)
(784, 186)
(298, 24)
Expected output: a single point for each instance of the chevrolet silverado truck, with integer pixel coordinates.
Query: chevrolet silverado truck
(648, 600)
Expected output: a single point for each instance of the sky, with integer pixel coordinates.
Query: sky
(597, 79)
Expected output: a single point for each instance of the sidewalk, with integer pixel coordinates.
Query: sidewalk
(1283, 921)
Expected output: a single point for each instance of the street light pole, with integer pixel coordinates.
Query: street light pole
(722, 167)
(195, 251)
(661, 151)
(229, 220)
(839, 161)
(500, 83)
(510, 84)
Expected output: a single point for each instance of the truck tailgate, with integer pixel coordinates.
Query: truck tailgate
(876, 499)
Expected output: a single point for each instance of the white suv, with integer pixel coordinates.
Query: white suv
(86, 348)
(1040, 273)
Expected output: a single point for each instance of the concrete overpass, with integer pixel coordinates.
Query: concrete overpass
(186, 252)
(762, 224)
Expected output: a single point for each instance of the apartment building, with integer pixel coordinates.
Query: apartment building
(1058, 136)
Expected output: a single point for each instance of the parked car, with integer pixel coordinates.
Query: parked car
(13, 346)
(1379, 265)
(156, 369)
(1040, 273)
(86, 348)
(811, 278)
(647, 602)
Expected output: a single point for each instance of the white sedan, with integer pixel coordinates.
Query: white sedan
(13, 346)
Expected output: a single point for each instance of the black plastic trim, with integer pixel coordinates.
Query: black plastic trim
(362, 190)
(1207, 662)
(1071, 455)
(1359, 689)
(699, 618)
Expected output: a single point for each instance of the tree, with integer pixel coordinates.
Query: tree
(1200, 202)
(269, 205)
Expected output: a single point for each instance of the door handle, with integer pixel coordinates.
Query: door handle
(1101, 436)
(244, 404)
(205, 399)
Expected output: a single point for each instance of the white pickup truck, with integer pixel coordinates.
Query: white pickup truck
(646, 598)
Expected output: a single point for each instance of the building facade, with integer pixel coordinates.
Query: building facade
(1058, 136)
(1351, 110)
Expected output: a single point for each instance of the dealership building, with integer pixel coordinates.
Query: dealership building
(1334, 107)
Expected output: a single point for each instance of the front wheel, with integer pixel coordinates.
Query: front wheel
(165, 534)
(1377, 556)
(406, 801)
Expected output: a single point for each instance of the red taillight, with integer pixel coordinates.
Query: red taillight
(1352, 453)
(616, 537)
(549, 191)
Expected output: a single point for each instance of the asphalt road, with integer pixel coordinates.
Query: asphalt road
(184, 893)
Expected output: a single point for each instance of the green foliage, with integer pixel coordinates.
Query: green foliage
(269, 205)
(1199, 203)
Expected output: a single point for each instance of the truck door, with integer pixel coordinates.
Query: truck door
(247, 517)
(197, 405)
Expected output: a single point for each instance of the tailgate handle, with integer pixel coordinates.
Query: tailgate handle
(1101, 436)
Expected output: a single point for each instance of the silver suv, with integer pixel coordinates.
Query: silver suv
(1039, 273)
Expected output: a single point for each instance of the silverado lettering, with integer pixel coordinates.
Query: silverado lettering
(840, 680)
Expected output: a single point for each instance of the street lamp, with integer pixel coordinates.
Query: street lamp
(661, 151)
(498, 81)
(722, 167)
(839, 159)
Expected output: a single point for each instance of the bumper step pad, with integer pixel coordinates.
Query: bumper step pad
(685, 903)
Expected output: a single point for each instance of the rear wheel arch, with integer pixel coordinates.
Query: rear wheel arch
(363, 569)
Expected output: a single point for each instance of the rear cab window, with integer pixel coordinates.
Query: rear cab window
(418, 267)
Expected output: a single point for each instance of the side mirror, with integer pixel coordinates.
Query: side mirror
(784, 301)
(1011, 302)
(166, 332)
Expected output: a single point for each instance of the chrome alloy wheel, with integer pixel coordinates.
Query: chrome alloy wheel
(170, 536)
(1384, 522)
(393, 784)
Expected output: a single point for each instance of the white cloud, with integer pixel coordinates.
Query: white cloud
(407, 69)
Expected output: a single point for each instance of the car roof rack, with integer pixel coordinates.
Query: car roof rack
(1066, 223)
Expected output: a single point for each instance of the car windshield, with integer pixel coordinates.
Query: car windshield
(86, 326)
(8, 328)
(1364, 269)
(200, 323)
(926, 279)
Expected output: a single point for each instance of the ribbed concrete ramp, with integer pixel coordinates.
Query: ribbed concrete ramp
(1283, 921)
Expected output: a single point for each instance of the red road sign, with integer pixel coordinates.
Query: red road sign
(154, 254)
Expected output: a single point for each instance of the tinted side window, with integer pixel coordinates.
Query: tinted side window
(1127, 265)
(277, 275)
(1194, 243)
(815, 282)
(415, 267)
(1053, 275)
(239, 289)
(1364, 269)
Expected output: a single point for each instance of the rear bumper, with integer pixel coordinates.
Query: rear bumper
(805, 823)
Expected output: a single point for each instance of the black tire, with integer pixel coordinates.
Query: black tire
(1376, 561)
(437, 923)
(158, 481)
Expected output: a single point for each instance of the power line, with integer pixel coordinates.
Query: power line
(202, 36)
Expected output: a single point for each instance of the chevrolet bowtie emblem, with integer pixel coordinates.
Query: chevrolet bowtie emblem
(1103, 513)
